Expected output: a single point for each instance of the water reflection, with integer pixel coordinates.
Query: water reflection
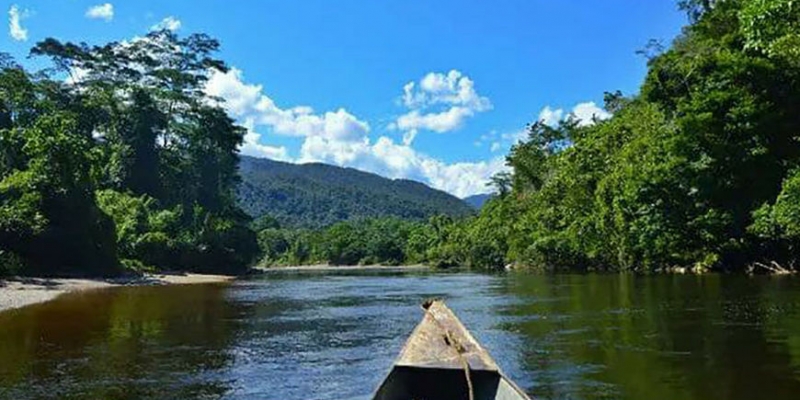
(658, 337)
(119, 343)
(334, 336)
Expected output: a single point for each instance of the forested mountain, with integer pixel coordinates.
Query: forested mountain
(477, 201)
(316, 195)
(133, 167)
(698, 170)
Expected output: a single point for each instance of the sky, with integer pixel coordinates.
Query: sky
(435, 91)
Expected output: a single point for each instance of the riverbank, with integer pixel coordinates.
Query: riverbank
(21, 292)
(328, 267)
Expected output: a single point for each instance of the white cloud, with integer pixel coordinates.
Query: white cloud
(76, 75)
(463, 179)
(239, 97)
(387, 158)
(439, 103)
(340, 138)
(170, 23)
(454, 88)
(343, 153)
(245, 100)
(551, 117)
(101, 11)
(15, 29)
(586, 113)
(409, 136)
(252, 145)
(441, 122)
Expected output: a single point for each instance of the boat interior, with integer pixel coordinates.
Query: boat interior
(414, 383)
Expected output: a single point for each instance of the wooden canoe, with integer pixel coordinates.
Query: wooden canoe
(441, 361)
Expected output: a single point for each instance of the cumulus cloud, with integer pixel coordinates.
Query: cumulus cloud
(586, 114)
(465, 178)
(551, 117)
(440, 103)
(441, 122)
(15, 29)
(395, 160)
(247, 100)
(339, 137)
(452, 88)
(252, 145)
(101, 11)
(170, 23)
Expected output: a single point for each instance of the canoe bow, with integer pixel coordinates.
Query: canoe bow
(442, 360)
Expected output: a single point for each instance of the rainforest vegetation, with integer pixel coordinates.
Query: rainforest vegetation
(114, 159)
(318, 195)
(700, 169)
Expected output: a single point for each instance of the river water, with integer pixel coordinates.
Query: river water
(334, 336)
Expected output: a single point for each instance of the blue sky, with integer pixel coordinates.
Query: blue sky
(435, 91)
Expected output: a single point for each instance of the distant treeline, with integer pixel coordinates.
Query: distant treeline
(701, 169)
(441, 242)
(115, 159)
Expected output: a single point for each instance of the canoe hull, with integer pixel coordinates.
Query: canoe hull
(407, 383)
(436, 359)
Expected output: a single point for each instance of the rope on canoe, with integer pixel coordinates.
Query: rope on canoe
(454, 344)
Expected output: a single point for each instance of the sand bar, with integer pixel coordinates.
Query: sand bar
(21, 292)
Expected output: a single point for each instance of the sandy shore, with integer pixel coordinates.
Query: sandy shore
(20, 292)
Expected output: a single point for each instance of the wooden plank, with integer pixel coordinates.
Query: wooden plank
(442, 341)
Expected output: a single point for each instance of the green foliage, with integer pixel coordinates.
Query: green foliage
(265, 222)
(698, 170)
(695, 171)
(49, 203)
(318, 195)
(11, 264)
(773, 27)
(375, 241)
(780, 220)
(477, 201)
(132, 162)
(442, 242)
(273, 244)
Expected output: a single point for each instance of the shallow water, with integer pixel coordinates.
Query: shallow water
(312, 335)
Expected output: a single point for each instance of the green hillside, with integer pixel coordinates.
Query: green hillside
(478, 200)
(316, 195)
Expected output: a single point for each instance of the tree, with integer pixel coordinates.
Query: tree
(50, 204)
(133, 129)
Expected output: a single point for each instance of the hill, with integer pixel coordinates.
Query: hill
(316, 195)
(477, 201)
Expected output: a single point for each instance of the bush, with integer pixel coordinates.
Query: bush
(11, 264)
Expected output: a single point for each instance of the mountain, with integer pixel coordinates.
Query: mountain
(316, 195)
(477, 201)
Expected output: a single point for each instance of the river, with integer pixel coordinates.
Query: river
(313, 335)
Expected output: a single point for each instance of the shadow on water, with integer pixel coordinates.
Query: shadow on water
(334, 336)
(118, 343)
